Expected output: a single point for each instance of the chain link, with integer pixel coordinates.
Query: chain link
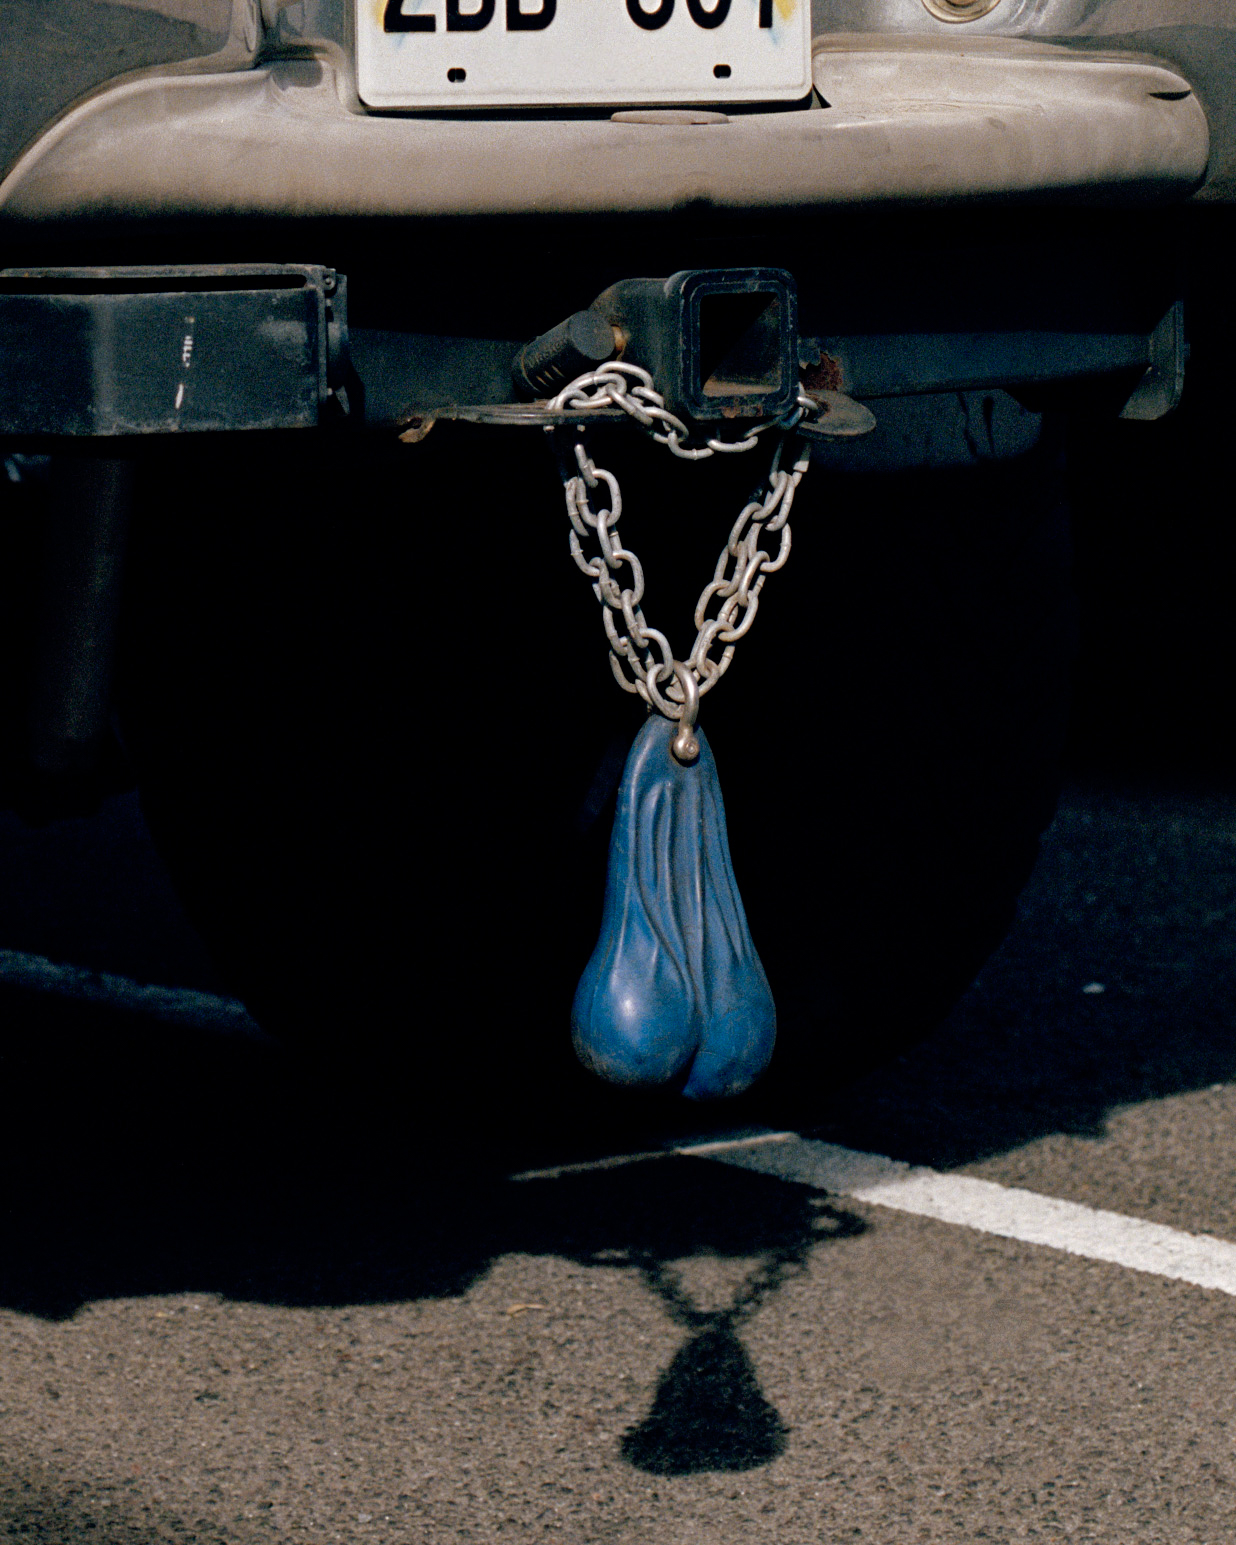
(640, 655)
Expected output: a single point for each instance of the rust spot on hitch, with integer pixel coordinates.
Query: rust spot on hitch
(824, 376)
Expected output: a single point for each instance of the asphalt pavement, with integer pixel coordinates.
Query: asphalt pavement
(231, 1314)
(239, 1306)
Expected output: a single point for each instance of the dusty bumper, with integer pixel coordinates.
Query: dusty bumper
(912, 122)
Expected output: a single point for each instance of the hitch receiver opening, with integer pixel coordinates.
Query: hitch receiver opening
(721, 343)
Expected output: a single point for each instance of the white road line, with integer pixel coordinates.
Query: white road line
(1006, 1211)
(170, 1005)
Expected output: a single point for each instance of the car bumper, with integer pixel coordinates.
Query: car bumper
(906, 122)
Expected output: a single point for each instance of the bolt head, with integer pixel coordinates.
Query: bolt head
(686, 747)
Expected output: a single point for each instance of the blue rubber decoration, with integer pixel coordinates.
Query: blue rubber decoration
(674, 985)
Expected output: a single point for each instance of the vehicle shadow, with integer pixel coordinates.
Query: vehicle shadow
(141, 1163)
(1115, 986)
(139, 1159)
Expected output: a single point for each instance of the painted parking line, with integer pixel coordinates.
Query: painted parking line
(1009, 1212)
(170, 1005)
(1006, 1211)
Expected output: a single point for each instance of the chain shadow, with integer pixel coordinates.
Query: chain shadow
(709, 1412)
(162, 1165)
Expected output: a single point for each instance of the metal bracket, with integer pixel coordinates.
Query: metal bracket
(1160, 389)
(140, 351)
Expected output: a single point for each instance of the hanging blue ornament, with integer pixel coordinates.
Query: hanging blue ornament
(674, 989)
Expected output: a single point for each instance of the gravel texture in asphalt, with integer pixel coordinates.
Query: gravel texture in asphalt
(231, 1311)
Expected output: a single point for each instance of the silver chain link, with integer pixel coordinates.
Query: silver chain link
(640, 655)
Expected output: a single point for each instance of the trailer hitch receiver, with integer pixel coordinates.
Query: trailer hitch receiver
(721, 343)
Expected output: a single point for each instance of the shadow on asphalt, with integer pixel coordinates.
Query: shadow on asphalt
(154, 1164)
(709, 1412)
(1117, 985)
(140, 1160)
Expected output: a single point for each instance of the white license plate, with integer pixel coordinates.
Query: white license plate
(546, 53)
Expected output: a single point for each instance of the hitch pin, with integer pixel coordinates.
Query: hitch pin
(685, 745)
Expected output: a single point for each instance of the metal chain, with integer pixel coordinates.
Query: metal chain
(640, 655)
